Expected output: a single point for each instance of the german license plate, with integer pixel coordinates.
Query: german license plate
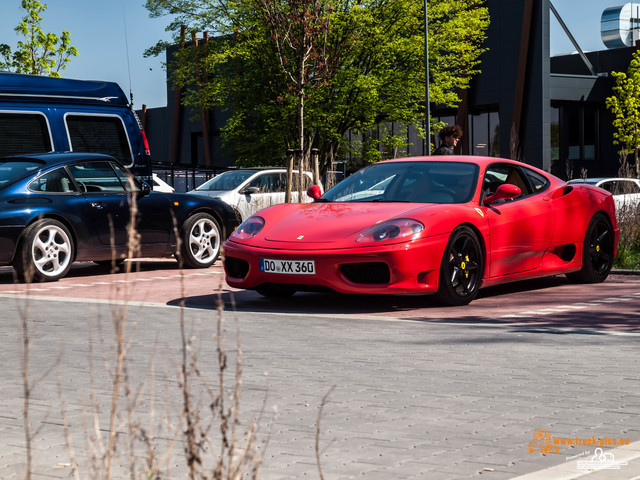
(293, 267)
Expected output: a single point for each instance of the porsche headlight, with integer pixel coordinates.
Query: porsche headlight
(249, 228)
(392, 230)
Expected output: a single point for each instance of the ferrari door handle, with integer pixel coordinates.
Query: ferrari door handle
(97, 205)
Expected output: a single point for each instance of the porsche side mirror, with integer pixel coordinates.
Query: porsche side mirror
(314, 192)
(145, 188)
(506, 191)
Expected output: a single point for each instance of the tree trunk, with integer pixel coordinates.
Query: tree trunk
(290, 156)
(300, 127)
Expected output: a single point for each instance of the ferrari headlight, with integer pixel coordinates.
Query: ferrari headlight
(249, 228)
(392, 230)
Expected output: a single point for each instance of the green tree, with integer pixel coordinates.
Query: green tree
(625, 106)
(364, 67)
(39, 53)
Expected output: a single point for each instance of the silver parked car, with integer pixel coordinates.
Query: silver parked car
(251, 190)
(626, 191)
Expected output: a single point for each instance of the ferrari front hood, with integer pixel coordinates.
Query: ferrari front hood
(327, 223)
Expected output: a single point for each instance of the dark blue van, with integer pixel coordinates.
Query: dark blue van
(46, 114)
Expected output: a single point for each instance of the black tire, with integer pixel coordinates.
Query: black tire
(201, 241)
(597, 252)
(276, 291)
(461, 268)
(45, 253)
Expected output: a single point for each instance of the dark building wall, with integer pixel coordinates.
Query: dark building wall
(175, 132)
(156, 127)
(495, 89)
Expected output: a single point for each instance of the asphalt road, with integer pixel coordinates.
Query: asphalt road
(414, 390)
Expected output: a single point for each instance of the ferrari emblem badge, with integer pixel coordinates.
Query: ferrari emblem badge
(480, 212)
(300, 237)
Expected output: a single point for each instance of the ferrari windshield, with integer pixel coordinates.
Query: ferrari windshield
(14, 170)
(227, 180)
(413, 182)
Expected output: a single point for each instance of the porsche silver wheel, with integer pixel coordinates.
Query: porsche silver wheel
(200, 241)
(46, 252)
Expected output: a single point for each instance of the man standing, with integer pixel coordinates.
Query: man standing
(449, 137)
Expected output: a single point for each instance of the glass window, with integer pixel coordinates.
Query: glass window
(620, 187)
(23, 133)
(539, 182)
(494, 134)
(226, 181)
(555, 133)
(130, 183)
(267, 183)
(497, 175)
(306, 181)
(572, 120)
(415, 182)
(56, 181)
(590, 131)
(99, 134)
(96, 177)
(480, 131)
(15, 170)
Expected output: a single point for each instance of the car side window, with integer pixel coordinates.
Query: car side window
(267, 183)
(306, 181)
(99, 134)
(130, 183)
(56, 181)
(620, 187)
(539, 182)
(96, 177)
(22, 133)
(497, 175)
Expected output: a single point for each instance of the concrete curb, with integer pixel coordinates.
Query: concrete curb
(625, 272)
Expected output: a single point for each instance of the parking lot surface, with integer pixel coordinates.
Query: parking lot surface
(413, 390)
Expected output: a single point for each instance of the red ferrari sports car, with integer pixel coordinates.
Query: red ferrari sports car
(422, 225)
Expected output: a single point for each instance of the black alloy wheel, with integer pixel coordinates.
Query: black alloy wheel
(461, 268)
(597, 252)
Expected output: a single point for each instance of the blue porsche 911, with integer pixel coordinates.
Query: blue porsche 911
(57, 208)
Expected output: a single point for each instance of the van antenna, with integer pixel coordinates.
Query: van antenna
(126, 43)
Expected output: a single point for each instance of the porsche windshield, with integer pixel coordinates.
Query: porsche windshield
(14, 170)
(413, 182)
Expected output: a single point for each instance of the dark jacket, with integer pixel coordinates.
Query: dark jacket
(443, 150)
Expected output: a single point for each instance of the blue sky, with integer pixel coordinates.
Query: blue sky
(97, 29)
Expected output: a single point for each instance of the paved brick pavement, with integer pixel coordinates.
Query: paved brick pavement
(410, 398)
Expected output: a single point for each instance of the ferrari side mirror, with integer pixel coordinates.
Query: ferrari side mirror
(314, 192)
(506, 191)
